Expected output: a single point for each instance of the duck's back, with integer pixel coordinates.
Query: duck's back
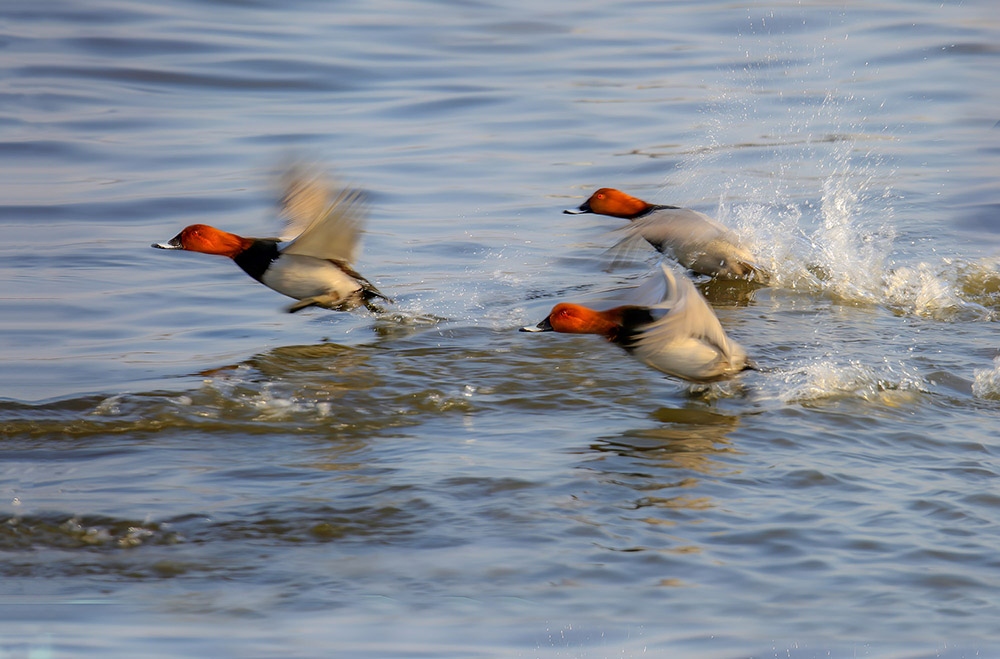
(668, 225)
(696, 241)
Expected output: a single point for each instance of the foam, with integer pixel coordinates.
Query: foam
(987, 382)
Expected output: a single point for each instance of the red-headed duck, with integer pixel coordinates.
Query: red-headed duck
(315, 268)
(695, 240)
(680, 336)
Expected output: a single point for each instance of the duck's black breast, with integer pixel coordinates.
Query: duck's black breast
(633, 319)
(256, 258)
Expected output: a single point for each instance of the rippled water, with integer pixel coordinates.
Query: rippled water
(186, 470)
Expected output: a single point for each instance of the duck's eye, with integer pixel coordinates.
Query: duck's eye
(600, 196)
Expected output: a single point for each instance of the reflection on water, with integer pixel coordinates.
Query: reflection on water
(723, 293)
(654, 476)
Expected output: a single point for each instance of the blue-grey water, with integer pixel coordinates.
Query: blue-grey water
(186, 470)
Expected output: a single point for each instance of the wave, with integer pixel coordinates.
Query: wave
(986, 383)
(886, 384)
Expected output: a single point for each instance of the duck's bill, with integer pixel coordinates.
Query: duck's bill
(173, 243)
(544, 326)
(581, 209)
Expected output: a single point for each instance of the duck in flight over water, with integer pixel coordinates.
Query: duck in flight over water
(667, 325)
(693, 239)
(323, 225)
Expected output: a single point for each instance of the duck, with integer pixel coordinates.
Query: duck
(678, 335)
(693, 239)
(322, 229)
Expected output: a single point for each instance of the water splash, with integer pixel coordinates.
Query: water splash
(942, 293)
(818, 209)
(885, 384)
(987, 382)
(808, 176)
(880, 383)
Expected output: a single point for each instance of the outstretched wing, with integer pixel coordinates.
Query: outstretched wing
(325, 221)
(687, 316)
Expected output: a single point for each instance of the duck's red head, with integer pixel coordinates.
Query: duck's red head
(203, 238)
(608, 201)
(576, 319)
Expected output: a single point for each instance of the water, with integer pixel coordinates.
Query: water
(188, 471)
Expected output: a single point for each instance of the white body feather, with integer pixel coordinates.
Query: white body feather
(304, 277)
(686, 339)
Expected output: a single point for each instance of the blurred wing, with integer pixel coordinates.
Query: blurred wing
(326, 227)
(694, 240)
(627, 251)
(670, 226)
(306, 196)
(687, 316)
(651, 292)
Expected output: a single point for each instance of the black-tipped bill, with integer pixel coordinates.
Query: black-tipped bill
(173, 243)
(583, 208)
(544, 326)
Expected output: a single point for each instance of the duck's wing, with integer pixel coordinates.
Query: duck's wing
(687, 316)
(305, 196)
(653, 292)
(668, 228)
(325, 222)
(650, 292)
(627, 251)
(694, 240)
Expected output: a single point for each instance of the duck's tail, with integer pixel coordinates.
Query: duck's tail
(368, 290)
(369, 294)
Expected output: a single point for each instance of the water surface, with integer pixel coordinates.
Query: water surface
(188, 470)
